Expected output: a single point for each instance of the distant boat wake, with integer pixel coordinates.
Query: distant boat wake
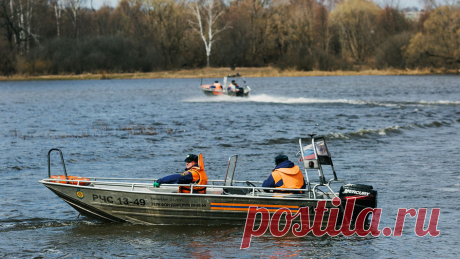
(263, 98)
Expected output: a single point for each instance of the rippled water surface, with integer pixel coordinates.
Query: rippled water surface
(397, 133)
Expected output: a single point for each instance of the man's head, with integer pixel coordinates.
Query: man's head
(191, 160)
(233, 81)
(280, 158)
(216, 81)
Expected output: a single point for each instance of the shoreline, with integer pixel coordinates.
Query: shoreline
(221, 72)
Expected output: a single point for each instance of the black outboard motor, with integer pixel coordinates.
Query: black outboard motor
(239, 91)
(365, 197)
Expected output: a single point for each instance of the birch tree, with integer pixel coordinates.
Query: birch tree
(206, 13)
(8, 17)
(17, 15)
(29, 6)
(58, 6)
(74, 7)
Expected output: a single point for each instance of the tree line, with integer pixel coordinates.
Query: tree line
(63, 36)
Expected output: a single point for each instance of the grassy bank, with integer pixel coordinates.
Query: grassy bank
(221, 72)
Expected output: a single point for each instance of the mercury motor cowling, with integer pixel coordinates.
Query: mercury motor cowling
(365, 196)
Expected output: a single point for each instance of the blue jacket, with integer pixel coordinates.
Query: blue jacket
(184, 178)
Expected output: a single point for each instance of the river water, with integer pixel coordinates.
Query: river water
(397, 133)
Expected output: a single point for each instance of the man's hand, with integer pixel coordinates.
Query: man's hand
(156, 184)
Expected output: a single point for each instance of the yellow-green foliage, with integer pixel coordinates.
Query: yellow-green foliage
(356, 22)
(352, 10)
(440, 38)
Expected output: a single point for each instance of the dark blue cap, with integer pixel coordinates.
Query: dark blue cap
(280, 158)
(191, 157)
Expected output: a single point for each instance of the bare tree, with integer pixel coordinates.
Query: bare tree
(9, 17)
(58, 6)
(440, 39)
(433, 4)
(18, 23)
(167, 28)
(29, 6)
(391, 3)
(301, 23)
(74, 13)
(356, 20)
(207, 12)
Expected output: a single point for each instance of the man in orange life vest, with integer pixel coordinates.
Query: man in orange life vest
(194, 173)
(217, 86)
(285, 175)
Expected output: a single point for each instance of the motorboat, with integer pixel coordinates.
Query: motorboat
(232, 89)
(226, 200)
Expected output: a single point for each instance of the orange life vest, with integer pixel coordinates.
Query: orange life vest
(292, 178)
(69, 177)
(218, 86)
(199, 177)
(217, 89)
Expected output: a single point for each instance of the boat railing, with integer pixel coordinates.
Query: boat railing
(97, 179)
(253, 190)
(335, 180)
(316, 189)
(62, 160)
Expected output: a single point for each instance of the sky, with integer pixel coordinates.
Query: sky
(98, 3)
(402, 3)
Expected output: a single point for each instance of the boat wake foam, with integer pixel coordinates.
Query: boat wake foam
(264, 98)
(366, 133)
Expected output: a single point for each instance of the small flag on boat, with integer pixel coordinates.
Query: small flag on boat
(309, 153)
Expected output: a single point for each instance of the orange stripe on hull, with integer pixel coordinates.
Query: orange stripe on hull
(245, 207)
(258, 205)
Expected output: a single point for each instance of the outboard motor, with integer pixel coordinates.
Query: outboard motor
(365, 197)
(239, 91)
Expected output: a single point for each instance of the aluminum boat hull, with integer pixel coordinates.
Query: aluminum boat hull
(211, 92)
(144, 205)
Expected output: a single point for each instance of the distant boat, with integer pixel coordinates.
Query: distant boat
(232, 89)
